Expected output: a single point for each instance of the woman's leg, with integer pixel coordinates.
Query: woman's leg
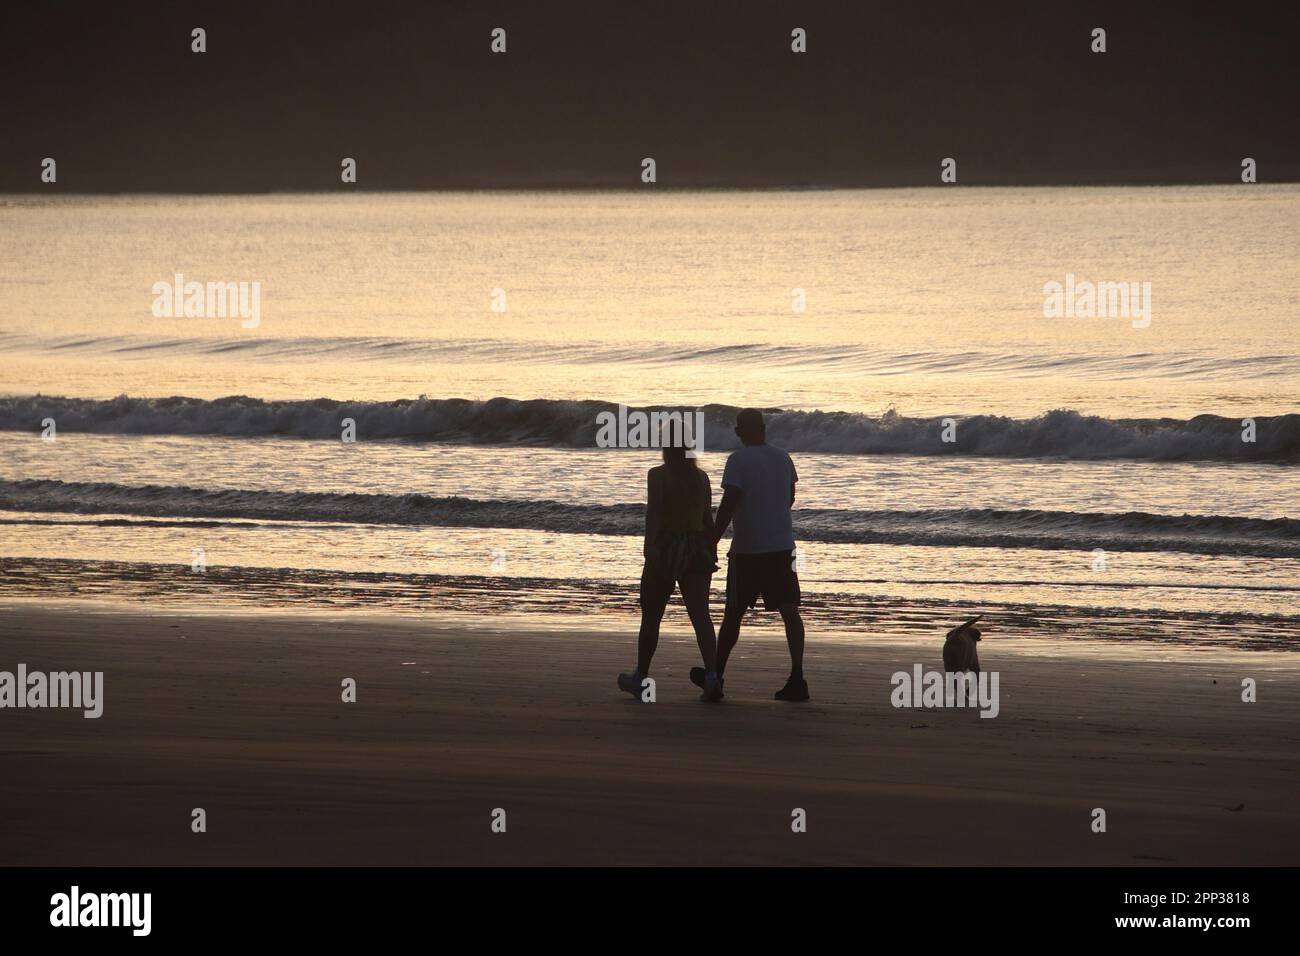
(695, 594)
(654, 598)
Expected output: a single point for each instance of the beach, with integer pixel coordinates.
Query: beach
(394, 472)
(241, 714)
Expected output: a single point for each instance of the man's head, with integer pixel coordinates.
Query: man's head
(750, 428)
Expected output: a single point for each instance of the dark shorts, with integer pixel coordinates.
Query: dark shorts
(770, 576)
(674, 557)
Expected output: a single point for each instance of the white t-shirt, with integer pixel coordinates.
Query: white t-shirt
(764, 474)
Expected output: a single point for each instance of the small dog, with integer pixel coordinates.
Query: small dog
(959, 651)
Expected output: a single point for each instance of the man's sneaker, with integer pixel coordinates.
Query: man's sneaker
(712, 687)
(698, 678)
(630, 683)
(796, 690)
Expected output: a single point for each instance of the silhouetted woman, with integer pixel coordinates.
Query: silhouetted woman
(679, 550)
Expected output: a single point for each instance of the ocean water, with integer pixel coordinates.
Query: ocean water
(1098, 462)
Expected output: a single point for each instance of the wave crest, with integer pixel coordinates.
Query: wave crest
(1062, 433)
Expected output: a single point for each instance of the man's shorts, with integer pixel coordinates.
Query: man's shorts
(770, 575)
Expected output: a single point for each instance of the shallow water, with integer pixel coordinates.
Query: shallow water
(920, 304)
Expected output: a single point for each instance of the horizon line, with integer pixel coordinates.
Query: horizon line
(345, 188)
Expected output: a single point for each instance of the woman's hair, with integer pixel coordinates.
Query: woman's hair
(682, 484)
(676, 459)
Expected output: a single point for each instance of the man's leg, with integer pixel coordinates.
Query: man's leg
(794, 637)
(796, 688)
(728, 633)
(742, 591)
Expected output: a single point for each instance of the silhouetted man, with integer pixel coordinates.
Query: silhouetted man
(757, 492)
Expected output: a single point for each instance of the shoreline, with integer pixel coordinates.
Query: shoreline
(237, 589)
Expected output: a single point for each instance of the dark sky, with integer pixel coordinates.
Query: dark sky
(709, 88)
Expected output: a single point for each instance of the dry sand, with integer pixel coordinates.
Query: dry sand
(241, 715)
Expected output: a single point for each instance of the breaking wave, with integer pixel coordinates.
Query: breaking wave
(1062, 433)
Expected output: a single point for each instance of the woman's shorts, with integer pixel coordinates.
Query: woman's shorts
(674, 557)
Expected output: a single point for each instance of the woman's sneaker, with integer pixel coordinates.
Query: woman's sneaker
(630, 683)
(796, 690)
(709, 682)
